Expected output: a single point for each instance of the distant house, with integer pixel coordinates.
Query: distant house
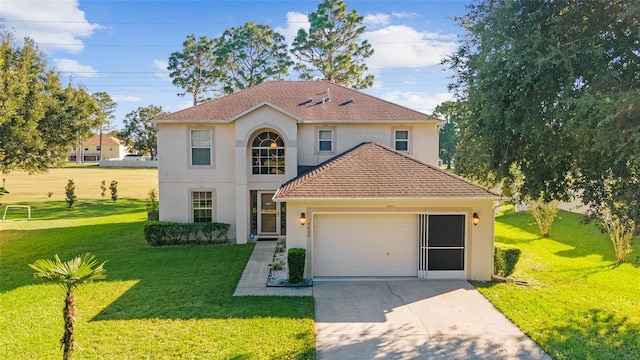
(351, 178)
(90, 151)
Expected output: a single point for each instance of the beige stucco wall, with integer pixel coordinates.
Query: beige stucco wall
(112, 151)
(423, 142)
(177, 179)
(479, 240)
(246, 128)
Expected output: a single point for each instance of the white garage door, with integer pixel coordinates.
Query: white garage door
(365, 245)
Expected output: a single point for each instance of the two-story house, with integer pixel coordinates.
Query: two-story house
(350, 177)
(90, 150)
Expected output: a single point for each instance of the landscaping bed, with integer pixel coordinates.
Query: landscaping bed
(279, 277)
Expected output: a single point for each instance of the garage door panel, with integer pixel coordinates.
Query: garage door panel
(365, 245)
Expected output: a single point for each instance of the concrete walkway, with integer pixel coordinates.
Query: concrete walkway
(254, 277)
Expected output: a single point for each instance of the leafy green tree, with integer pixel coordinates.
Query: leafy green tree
(139, 133)
(250, 55)
(105, 114)
(194, 69)
(449, 111)
(553, 91)
(40, 121)
(70, 275)
(331, 50)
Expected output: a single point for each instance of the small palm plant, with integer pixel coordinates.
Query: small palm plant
(70, 275)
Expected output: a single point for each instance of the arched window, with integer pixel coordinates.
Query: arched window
(267, 154)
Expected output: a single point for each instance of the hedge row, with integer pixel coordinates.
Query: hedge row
(505, 260)
(162, 233)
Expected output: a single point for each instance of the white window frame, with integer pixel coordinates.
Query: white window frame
(190, 146)
(331, 140)
(193, 208)
(269, 154)
(395, 139)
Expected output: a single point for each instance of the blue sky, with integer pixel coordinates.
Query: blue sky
(122, 46)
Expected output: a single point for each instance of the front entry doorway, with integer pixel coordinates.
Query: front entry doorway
(268, 215)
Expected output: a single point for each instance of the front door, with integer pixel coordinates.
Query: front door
(267, 214)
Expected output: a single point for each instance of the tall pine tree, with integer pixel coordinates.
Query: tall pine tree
(331, 49)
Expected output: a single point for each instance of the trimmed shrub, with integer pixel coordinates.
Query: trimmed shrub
(162, 233)
(295, 259)
(70, 191)
(114, 190)
(505, 259)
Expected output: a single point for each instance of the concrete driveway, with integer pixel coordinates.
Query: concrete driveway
(413, 319)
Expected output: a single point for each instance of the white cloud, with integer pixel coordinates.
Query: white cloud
(418, 101)
(405, 14)
(74, 68)
(161, 67)
(126, 98)
(402, 46)
(55, 25)
(295, 22)
(377, 19)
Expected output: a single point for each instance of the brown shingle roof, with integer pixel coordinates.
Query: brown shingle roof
(375, 171)
(106, 140)
(305, 100)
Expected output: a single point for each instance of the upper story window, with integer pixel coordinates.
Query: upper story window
(401, 140)
(325, 140)
(267, 154)
(201, 147)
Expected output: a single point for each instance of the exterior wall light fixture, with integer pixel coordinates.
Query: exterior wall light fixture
(303, 219)
(476, 219)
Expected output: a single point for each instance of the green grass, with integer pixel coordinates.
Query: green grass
(175, 302)
(581, 303)
(156, 303)
(28, 189)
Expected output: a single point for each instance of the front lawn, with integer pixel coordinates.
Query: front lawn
(156, 303)
(581, 303)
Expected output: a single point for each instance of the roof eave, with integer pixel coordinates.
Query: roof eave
(449, 198)
(175, 121)
(414, 121)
